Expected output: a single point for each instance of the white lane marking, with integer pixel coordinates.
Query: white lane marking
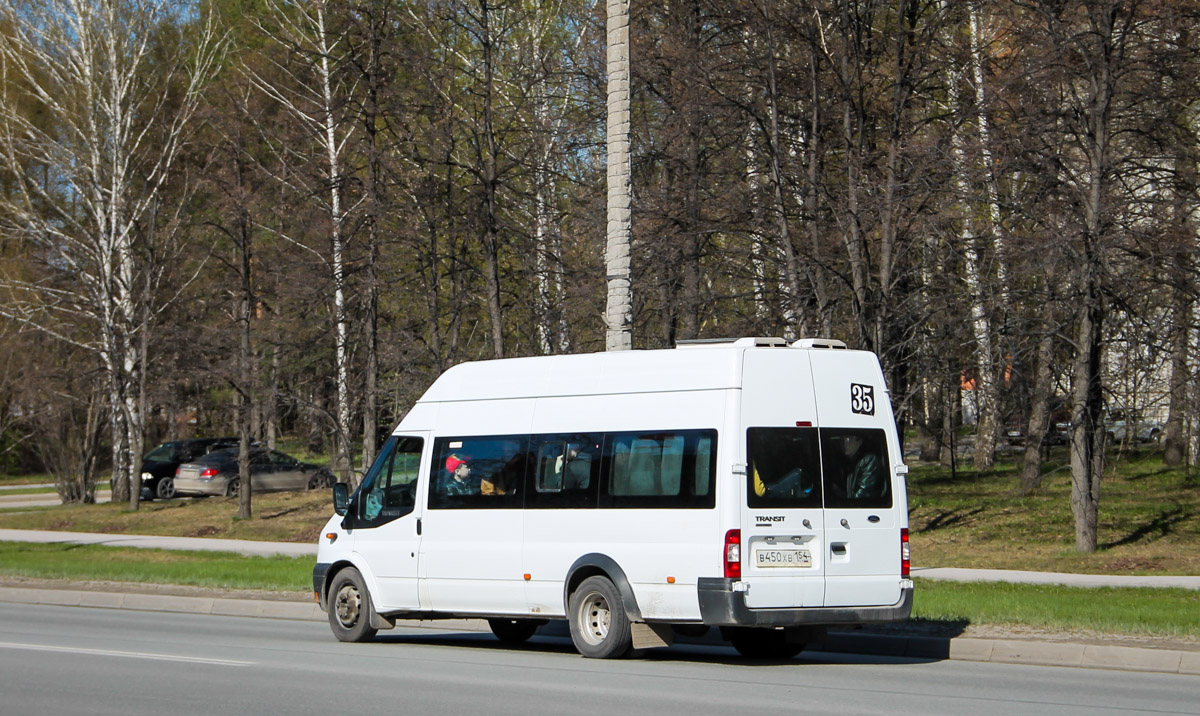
(127, 654)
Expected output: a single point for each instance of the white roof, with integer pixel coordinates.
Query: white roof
(715, 365)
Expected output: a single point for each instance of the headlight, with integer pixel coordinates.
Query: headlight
(147, 476)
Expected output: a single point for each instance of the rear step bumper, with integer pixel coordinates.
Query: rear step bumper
(720, 605)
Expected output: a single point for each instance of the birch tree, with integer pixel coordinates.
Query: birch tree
(977, 244)
(114, 84)
(308, 89)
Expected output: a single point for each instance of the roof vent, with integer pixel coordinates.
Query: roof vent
(819, 343)
(732, 342)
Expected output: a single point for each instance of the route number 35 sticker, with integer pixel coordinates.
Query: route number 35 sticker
(862, 399)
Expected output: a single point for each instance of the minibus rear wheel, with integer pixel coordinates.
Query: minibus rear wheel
(599, 625)
(350, 607)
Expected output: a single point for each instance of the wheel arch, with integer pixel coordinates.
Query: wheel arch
(332, 570)
(591, 565)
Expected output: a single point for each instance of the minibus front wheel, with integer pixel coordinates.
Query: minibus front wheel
(350, 607)
(599, 625)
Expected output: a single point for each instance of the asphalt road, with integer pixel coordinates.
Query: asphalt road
(69, 660)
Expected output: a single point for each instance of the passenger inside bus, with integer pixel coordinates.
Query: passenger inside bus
(865, 478)
(458, 480)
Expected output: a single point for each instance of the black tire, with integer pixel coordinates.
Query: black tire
(232, 487)
(349, 607)
(763, 643)
(513, 631)
(320, 480)
(599, 625)
(165, 489)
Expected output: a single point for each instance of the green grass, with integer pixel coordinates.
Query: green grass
(220, 570)
(1149, 518)
(29, 491)
(7, 480)
(1133, 611)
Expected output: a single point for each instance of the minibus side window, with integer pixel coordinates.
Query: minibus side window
(856, 469)
(661, 469)
(565, 470)
(783, 467)
(478, 472)
(389, 488)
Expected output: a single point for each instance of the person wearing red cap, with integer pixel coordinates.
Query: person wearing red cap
(458, 480)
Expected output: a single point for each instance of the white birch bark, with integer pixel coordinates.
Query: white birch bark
(976, 249)
(309, 97)
(110, 129)
(985, 151)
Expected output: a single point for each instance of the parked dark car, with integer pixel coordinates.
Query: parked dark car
(270, 471)
(159, 465)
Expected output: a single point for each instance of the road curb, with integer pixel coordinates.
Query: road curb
(1006, 651)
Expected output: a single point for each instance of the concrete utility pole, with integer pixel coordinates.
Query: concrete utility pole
(619, 310)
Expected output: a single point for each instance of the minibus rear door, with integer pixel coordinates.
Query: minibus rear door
(783, 543)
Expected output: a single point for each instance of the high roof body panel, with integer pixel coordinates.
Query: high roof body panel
(712, 366)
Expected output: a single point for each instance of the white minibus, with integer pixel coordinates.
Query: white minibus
(751, 484)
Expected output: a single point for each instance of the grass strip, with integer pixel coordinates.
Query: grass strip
(221, 570)
(1137, 611)
(28, 491)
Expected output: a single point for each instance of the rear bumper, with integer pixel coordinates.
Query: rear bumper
(720, 605)
(185, 486)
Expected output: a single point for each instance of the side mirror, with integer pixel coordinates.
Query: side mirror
(341, 498)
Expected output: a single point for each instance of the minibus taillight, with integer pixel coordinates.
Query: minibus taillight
(905, 553)
(733, 554)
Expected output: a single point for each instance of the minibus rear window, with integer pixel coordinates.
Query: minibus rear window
(857, 473)
(784, 468)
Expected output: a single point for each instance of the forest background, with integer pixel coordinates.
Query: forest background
(287, 217)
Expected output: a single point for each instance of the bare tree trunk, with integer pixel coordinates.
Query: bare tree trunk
(243, 392)
(1039, 415)
(812, 200)
(1183, 204)
(985, 151)
(371, 115)
(1087, 441)
(793, 316)
(1174, 439)
(491, 229)
(975, 250)
(619, 309)
(272, 412)
(303, 29)
(852, 139)
(337, 248)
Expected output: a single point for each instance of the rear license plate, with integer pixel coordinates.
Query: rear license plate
(783, 558)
